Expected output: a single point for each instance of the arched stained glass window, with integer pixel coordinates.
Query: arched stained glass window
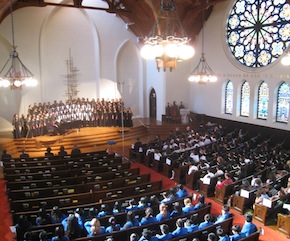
(229, 97)
(245, 99)
(283, 103)
(263, 101)
(258, 31)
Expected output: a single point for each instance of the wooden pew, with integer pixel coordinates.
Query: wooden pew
(65, 173)
(83, 198)
(31, 214)
(63, 181)
(77, 187)
(265, 214)
(283, 224)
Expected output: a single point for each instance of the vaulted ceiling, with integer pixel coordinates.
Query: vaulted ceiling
(140, 15)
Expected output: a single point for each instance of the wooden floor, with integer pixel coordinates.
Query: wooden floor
(90, 138)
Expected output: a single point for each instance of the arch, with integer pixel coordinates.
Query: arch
(245, 99)
(229, 97)
(283, 98)
(263, 101)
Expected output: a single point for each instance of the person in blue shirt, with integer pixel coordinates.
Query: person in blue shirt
(104, 210)
(225, 214)
(143, 202)
(248, 227)
(113, 226)
(132, 221)
(201, 202)
(180, 229)
(59, 234)
(147, 235)
(207, 222)
(188, 207)
(117, 208)
(163, 213)
(177, 210)
(169, 196)
(165, 233)
(148, 218)
(132, 205)
(211, 237)
(221, 235)
(237, 235)
(94, 227)
(181, 191)
(191, 227)
(56, 215)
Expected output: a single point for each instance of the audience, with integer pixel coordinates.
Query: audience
(180, 229)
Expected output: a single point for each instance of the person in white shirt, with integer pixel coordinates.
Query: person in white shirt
(194, 156)
(219, 171)
(192, 168)
(209, 175)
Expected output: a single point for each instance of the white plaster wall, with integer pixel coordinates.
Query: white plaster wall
(96, 41)
(209, 99)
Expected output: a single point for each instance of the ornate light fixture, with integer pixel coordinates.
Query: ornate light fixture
(162, 44)
(286, 59)
(202, 73)
(16, 73)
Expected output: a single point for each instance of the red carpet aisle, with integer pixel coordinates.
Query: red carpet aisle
(5, 218)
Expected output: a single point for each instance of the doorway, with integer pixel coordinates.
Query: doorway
(152, 104)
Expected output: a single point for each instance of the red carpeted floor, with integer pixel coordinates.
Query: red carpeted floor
(6, 222)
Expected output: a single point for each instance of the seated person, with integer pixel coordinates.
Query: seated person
(148, 218)
(24, 155)
(56, 215)
(42, 217)
(147, 235)
(200, 203)
(62, 151)
(76, 150)
(191, 227)
(113, 226)
(163, 213)
(165, 233)
(94, 227)
(228, 180)
(212, 237)
(225, 214)
(180, 229)
(104, 210)
(221, 235)
(181, 191)
(248, 227)
(132, 205)
(143, 202)
(48, 152)
(237, 235)
(132, 221)
(207, 221)
(188, 207)
(208, 175)
(260, 195)
(177, 210)
(170, 196)
(59, 234)
(116, 208)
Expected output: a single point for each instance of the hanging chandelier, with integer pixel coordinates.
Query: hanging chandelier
(163, 44)
(286, 59)
(202, 73)
(16, 74)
